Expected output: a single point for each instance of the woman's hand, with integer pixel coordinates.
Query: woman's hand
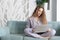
(33, 30)
(49, 30)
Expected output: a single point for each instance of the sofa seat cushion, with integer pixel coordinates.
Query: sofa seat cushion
(16, 37)
(55, 38)
(32, 38)
(6, 37)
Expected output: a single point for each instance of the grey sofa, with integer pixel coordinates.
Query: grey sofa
(16, 31)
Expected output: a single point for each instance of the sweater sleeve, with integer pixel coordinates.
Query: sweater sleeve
(28, 25)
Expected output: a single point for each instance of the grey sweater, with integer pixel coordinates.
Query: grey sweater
(32, 23)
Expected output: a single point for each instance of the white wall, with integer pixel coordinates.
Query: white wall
(17, 10)
(32, 6)
(58, 10)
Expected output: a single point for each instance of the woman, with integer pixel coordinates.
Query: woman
(37, 19)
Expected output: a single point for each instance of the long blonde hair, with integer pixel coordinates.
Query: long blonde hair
(42, 16)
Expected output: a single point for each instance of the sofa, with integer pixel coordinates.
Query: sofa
(15, 31)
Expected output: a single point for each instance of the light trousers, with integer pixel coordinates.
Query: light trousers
(28, 31)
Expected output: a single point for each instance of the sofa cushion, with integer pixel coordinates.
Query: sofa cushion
(16, 37)
(55, 38)
(6, 37)
(32, 38)
(53, 24)
(56, 26)
(16, 27)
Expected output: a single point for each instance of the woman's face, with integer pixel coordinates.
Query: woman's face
(39, 11)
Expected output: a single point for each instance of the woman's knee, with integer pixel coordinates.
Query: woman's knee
(28, 30)
(53, 32)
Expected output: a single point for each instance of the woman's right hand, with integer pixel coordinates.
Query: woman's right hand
(33, 30)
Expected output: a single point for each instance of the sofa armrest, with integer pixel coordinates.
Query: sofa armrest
(4, 31)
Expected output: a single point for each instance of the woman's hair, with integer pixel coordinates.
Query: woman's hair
(42, 16)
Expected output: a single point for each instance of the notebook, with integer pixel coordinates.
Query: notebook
(42, 28)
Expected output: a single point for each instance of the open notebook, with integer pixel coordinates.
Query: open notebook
(42, 28)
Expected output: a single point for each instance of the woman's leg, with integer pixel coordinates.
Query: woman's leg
(28, 31)
(49, 34)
